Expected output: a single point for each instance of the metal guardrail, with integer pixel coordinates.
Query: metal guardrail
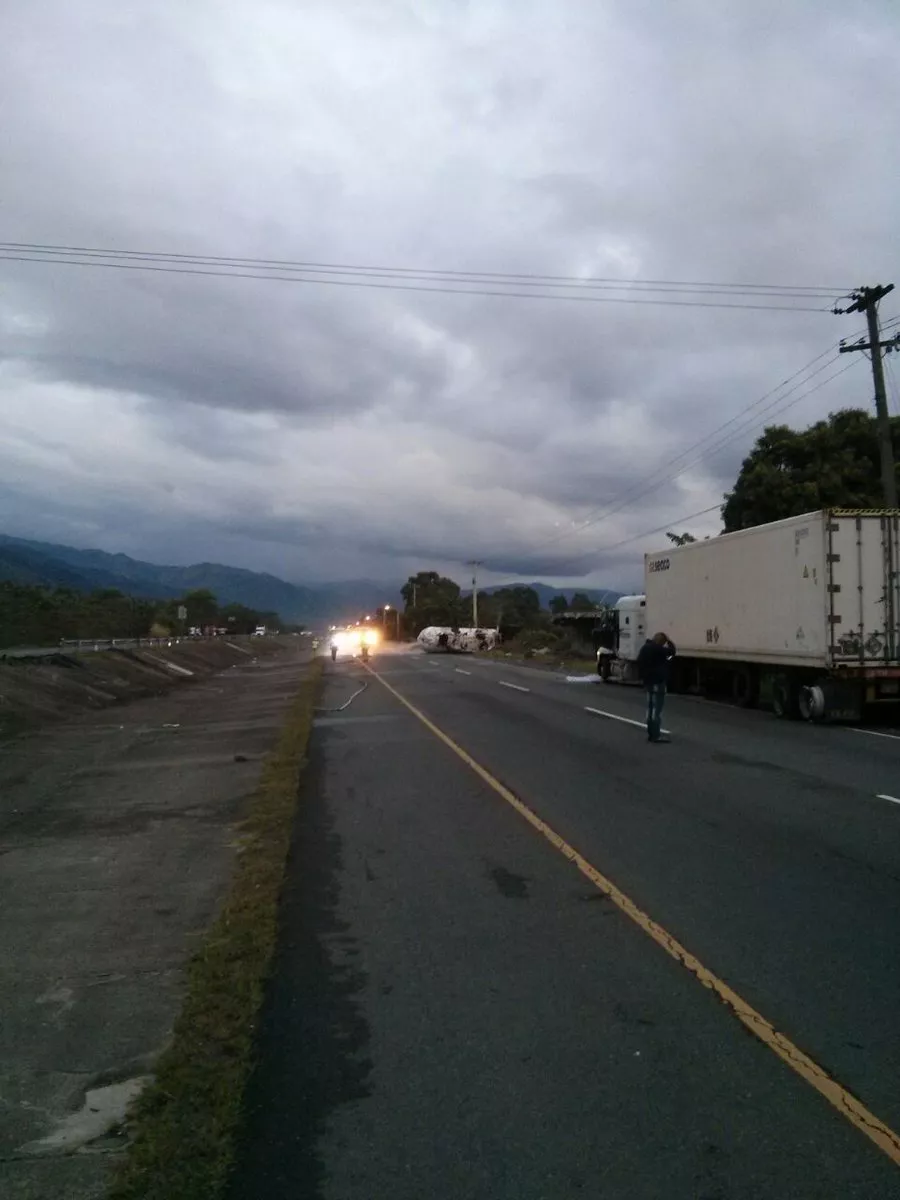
(97, 644)
(124, 643)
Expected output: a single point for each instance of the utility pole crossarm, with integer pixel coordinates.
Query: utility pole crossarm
(865, 300)
(891, 344)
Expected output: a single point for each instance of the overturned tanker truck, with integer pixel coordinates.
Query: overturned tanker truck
(444, 639)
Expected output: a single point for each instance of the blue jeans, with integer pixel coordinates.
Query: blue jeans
(656, 698)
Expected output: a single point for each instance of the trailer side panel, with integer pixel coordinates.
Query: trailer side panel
(759, 595)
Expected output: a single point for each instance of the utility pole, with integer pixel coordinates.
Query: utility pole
(475, 564)
(865, 300)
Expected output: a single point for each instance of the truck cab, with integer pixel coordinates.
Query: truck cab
(619, 662)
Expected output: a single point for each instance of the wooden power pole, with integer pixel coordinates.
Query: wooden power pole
(865, 300)
(475, 564)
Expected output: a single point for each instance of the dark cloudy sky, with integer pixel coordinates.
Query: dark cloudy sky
(327, 432)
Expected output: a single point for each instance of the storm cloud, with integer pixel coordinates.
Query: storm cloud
(323, 431)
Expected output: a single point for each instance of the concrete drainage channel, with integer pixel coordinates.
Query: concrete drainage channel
(119, 840)
(35, 691)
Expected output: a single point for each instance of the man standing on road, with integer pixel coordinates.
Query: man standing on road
(653, 668)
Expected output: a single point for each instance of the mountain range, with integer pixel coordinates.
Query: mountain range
(47, 564)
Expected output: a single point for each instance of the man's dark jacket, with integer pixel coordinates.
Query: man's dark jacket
(653, 662)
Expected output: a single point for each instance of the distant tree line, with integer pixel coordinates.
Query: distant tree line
(43, 616)
(580, 603)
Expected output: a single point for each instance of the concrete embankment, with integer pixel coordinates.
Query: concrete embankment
(124, 835)
(35, 691)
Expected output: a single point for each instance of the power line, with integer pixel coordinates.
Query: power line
(659, 529)
(753, 424)
(756, 423)
(629, 499)
(703, 512)
(387, 283)
(649, 483)
(806, 291)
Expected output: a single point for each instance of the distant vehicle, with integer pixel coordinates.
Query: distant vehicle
(259, 631)
(804, 610)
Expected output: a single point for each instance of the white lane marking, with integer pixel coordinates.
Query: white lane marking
(884, 796)
(599, 712)
(515, 686)
(894, 737)
(460, 671)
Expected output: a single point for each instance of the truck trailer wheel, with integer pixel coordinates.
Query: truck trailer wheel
(812, 703)
(785, 698)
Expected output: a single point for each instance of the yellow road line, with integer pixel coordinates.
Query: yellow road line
(847, 1105)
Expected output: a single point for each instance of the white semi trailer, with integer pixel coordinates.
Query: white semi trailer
(805, 612)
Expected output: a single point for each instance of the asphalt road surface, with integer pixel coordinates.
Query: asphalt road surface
(463, 1007)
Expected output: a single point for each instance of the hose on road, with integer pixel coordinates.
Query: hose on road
(346, 704)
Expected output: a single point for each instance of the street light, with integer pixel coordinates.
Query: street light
(387, 608)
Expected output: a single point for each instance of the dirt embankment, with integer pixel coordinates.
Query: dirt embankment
(35, 691)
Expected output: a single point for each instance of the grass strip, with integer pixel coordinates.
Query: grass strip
(185, 1123)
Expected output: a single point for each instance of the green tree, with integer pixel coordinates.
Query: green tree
(833, 464)
(32, 615)
(513, 609)
(202, 607)
(433, 599)
(582, 603)
(558, 605)
(681, 539)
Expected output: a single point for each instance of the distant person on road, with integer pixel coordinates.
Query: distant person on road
(653, 667)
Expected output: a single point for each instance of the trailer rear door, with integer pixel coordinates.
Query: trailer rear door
(863, 563)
